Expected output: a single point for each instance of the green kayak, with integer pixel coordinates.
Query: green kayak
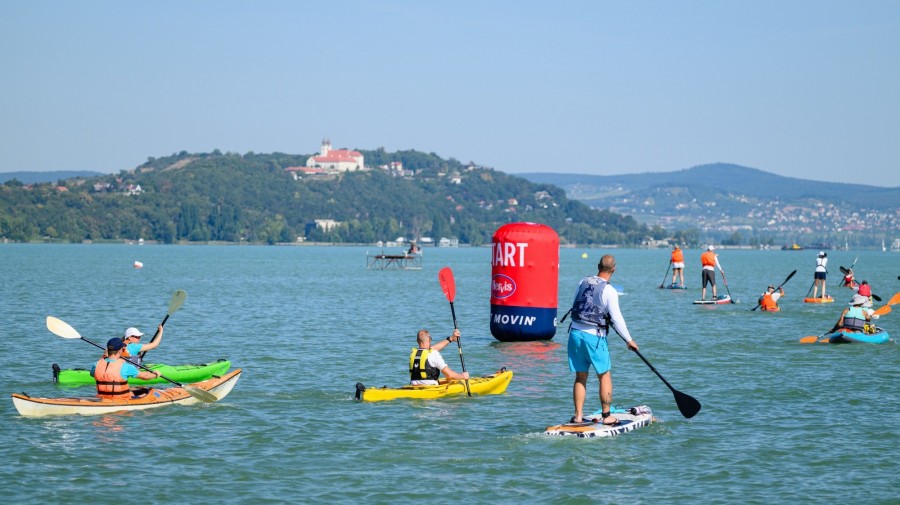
(178, 373)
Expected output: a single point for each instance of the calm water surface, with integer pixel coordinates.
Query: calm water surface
(781, 422)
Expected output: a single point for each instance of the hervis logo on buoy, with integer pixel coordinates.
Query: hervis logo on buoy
(502, 286)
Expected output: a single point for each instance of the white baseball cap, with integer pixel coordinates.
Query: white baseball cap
(133, 332)
(710, 248)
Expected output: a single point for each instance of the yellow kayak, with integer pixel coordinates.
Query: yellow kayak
(493, 384)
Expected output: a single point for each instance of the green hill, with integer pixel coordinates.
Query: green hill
(251, 198)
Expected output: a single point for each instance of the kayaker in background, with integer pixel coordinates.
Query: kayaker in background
(866, 290)
(595, 308)
(821, 272)
(426, 363)
(709, 261)
(854, 317)
(134, 347)
(677, 264)
(769, 299)
(848, 279)
(112, 371)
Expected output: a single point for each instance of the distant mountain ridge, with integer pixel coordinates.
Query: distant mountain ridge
(725, 178)
(741, 204)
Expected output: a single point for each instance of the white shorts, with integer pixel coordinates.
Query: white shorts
(678, 264)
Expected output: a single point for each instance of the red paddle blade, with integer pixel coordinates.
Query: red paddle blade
(448, 285)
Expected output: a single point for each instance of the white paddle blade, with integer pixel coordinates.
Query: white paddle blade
(176, 301)
(61, 328)
(200, 394)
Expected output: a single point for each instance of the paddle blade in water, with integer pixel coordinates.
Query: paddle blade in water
(61, 328)
(687, 404)
(200, 394)
(812, 339)
(448, 284)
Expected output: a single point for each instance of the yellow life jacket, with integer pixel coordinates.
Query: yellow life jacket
(419, 369)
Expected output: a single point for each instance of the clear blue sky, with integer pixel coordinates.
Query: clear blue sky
(807, 89)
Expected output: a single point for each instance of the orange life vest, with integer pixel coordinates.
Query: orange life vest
(677, 256)
(708, 259)
(768, 303)
(110, 383)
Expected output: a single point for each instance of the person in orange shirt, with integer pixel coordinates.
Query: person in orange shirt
(677, 264)
(710, 261)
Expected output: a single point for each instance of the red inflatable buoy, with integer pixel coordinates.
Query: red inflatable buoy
(524, 282)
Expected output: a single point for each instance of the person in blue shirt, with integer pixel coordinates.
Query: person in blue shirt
(134, 347)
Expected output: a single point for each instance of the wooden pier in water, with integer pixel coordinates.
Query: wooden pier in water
(394, 261)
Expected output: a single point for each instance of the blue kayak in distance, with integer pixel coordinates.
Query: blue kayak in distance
(858, 337)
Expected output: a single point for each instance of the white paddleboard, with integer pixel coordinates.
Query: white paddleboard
(629, 420)
(720, 300)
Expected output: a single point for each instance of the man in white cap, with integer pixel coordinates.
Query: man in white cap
(134, 347)
(821, 271)
(709, 261)
(854, 317)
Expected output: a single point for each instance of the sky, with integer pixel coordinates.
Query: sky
(806, 89)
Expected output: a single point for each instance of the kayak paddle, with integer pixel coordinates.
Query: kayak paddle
(448, 286)
(880, 311)
(174, 304)
(62, 329)
(779, 287)
(812, 339)
(687, 404)
(666, 276)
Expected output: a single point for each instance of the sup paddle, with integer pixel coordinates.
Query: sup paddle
(174, 304)
(448, 286)
(687, 404)
(62, 329)
(665, 276)
(725, 282)
(779, 287)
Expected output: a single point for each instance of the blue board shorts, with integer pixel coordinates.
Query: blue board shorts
(820, 275)
(586, 350)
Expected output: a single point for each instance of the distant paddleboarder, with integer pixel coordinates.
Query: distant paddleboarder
(709, 261)
(677, 264)
(821, 273)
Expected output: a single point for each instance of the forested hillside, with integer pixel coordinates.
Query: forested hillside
(251, 198)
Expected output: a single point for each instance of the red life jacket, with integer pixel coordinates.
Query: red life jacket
(865, 290)
(110, 383)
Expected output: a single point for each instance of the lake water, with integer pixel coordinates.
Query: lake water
(781, 422)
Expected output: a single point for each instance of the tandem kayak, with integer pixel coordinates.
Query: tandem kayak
(178, 373)
(720, 300)
(92, 405)
(827, 299)
(857, 337)
(487, 385)
(592, 425)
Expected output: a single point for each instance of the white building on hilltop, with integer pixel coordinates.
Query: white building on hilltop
(338, 160)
